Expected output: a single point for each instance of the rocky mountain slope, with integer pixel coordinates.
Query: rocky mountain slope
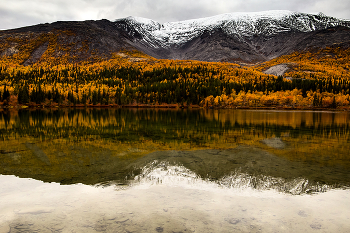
(236, 37)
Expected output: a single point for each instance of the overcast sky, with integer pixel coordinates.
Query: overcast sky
(19, 13)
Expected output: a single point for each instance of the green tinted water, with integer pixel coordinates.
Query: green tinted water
(113, 145)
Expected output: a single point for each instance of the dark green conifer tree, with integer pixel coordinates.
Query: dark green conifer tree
(6, 94)
(23, 95)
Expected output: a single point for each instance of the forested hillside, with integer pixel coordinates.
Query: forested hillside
(62, 69)
(132, 78)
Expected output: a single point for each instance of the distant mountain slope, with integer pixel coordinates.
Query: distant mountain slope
(236, 37)
(247, 37)
(239, 25)
(79, 40)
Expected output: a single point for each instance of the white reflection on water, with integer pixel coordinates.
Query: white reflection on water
(164, 173)
(169, 198)
(296, 186)
(178, 175)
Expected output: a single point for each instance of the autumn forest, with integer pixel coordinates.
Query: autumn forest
(76, 75)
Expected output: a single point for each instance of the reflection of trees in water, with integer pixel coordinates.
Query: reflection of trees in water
(196, 126)
(316, 136)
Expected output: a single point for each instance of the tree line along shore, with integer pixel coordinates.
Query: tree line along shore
(132, 80)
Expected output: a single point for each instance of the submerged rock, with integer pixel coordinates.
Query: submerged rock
(37, 151)
(276, 143)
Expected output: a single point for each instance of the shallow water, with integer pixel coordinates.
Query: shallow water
(177, 205)
(121, 170)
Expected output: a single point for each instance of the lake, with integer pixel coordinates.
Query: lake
(167, 170)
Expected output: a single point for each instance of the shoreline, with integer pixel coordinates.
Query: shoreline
(165, 106)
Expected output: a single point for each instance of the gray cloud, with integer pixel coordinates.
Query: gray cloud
(19, 13)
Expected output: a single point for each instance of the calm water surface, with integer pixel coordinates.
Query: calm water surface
(129, 170)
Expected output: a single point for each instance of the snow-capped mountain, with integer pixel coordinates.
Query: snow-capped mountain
(239, 25)
(236, 37)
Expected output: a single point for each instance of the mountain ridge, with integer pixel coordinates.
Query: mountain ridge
(241, 24)
(234, 37)
(240, 29)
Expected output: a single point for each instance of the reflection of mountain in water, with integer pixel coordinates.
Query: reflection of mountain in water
(242, 167)
(300, 151)
(172, 175)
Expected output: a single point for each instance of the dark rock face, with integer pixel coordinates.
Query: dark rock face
(218, 46)
(213, 43)
(36, 54)
(288, 42)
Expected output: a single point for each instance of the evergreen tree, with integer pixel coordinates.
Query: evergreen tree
(23, 95)
(94, 98)
(334, 103)
(6, 94)
(316, 101)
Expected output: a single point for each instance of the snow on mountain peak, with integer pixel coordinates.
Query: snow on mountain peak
(276, 14)
(239, 24)
(148, 24)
